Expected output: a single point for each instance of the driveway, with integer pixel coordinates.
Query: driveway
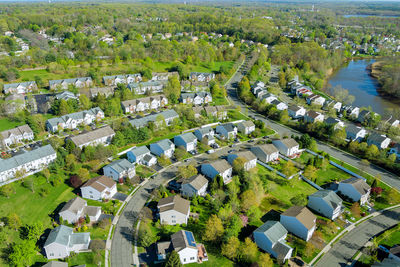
(342, 252)
(119, 196)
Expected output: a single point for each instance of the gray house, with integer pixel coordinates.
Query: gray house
(266, 152)
(77, 82)
(56, 264)
(187, 140)
(270, 237)
(77, 208)
(119, 169)
(218, 167)
(300, 221)
(173, 210)
(381, 141)
(163, 147)
(205, 133)
(20, 88)
(168, 116)
(325, 202)
(62, 241)
(194, 186)
(355, 133)
(141, 155)
(250, 159)
(227, 130)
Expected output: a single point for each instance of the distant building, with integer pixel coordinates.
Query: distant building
(65, 83)
(201, 76)
(16, 135)
(93, 138)
(167, 116)
(114, 80)
(20, 88)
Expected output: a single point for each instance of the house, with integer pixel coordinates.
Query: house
(163, 147)
(102, 135)
(141, 155)
(146, 87)
(313, 116)
(77, 208)
(246, 127)
(56, 264)
(356, 189)
(381, 141)
(395, 150)
(266, 152)
(66, 95)
(352, 111)
(99, 188)
(20, 88)
(355, 133)
(227, 130)
(287, 147)
(300, 221)
(163, 76)
(184, 244)
(296, 112)
(205, 134)
(330, 104)
(394, 254)
(326, 203)
(187, 140)
(62, 241)
(201, 76)
(167, 116)
(336, 123)
(363, 115)
(301, 90)
(123, 79)
(105, 91)
(218, 167)
(71, 121)
(198, 98)
(173, 210)
(216, 111)
(144, 104)
(270, 237)
(16, 135)
(119, 170)
(250, 159)
(391, 122)
(279, 105)
(65, 83)
(26, 162)
(194, 186)
(270, 98)
(315, 99)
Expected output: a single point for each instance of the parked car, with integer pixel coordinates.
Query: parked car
(210, 151)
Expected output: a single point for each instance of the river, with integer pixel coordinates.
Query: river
(355, 77)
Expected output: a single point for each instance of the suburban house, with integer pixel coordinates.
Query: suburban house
(16, 135)
(62, 241)
(198, 110)
(331, 104)
(66, 95)
(163, 76)
(124, 79)
(65, 83)
(336, 123)
(296, 112)
(269, 98)
(313, 116)
(363, 115)
(216, 111)
(144, 104)
(279, 105)
(205, 133)
(315, 99)
(106, 91)
(251, 159)
(184, 244)
(93, 138)
(167, 115)
(144, 87)
(266, 152)
(141, 155)
(119, 170)
(395, 150)
(77, 208)
(355, 133)
(99, 188)
(381, 141)
(270, 237)
(198, 98)
(287, 147)
(194, 186)
(163, 147)
(391, 121)
(227, 130)
(201, 77)
(218, 167)
(326, 203)
(394, 253)
(187, 140)
(300, 221)
(246, 127)
(71, 121)
(356, 189)
(173, 210)
(20, 88)
(26, 162)
(352, 111)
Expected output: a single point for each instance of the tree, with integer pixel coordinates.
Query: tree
(75, 181)
(83, 174)
(13, 221)
(264, 260)
(355, 210)
(284, 116)
(392, 196)
(289, 169)
(248, 199)
(164, 161)
(187, 171)
(338, 136)
(248, 251)
(309, 250)
(119, 139)
(34, 231)
(84, 102)
(23, 253)
(173, 260)
(372, 151)
(63, 108)
(146, 236)
(310, 172)
(6, 190)
(238, 164)
(230, 248)
(173, 89)
(214, 230)
(299, 200)
(46, 174)
(179, 153)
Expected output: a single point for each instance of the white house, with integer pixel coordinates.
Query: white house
(250, 159)
(99, 188)
(287, 147)
(246, 127)
(198, 98)
(93, 138)
(205, 133)
(279, 105)
(315, 99)
(296, 112)
(163, 147)
(266, 152)
(380, 140)
(173, 210)
(20, 88)
(194, 186)
(219, 167)
(144, 104)
(201, 76)
(187, 140)
(77, 208)
(330, 104)
(66, 95)
(76, 82)
(141, 155)
(216, 111)
(336, 123)
(145, 87)
(313, 116)
(17, 135)
(62, 241)
(355, 133)
(300, 221)
(326, 203)
(270, 237)
(123, 79)
(269, 98)
(356, 189)
(227, 130)
(119, 170)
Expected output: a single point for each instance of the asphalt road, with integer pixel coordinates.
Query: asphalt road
(341, 253)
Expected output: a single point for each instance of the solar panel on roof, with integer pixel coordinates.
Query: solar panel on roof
(190, 238)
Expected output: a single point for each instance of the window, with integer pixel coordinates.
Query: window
(191, 258)
(51, 254)
(184, 260)
(173, 221)
(173, 216)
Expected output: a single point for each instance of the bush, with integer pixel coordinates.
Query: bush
(44, 192)
(103, 224)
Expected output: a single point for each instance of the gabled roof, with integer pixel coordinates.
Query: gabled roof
(229, 127)
(100, 183)
(140, 150)
(302, 214)
(273, 230)
(331, 120)
(247, 123)
(91, 136)
(74, 205)
(183, 239)
(376, 138)
(351, 128)
(56, 264)
(330, 197)
(294, 108)
(15, 85)
(121, 165)
(247, 155)
(196, 181)
(187, 137)
(220, 165)
(359, 184)
(289, 142)
(165, 144)
(175, 203)
(268, 148)
(205, 130)
(20, 130)
(313, 114)
(59, 235)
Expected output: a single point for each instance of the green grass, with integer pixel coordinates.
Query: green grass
(86, 258)
(29, 75)
(218, 101)
(236, 115)
(144, 171)
(331, 173)
(6, 124)
(392, 237)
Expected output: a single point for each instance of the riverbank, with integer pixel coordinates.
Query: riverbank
(375, 69)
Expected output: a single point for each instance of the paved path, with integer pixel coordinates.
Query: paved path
(341, 253)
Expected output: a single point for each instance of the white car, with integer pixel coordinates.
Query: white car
(210, 151)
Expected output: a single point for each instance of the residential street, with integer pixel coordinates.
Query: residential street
(342, 252)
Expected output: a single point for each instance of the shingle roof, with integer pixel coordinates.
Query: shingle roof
(205, 130)
(140, 150)
(59, 235)
(20, 130)
(302, 214)
(100, 183)
(330, 197)
(220, 165)
(180, 240)
(229, 127)
(78, 238)
(289, 142)
(268, 148)
(247, 123)
(74, 205)
(196, 181)
(91, 136)
(359, 184)
(332, 120)
(187, 137)
(294, 108)
(313, 114)
(15, 85)
(247, 155)
(351, 128)
(76, 115)
(121, 165)
(72, 80)
(376, 138)
(273, 230)
(56, 264)
(165, 144)
(140, 122)
(174, 203)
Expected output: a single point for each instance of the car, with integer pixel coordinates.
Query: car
(210, 151)
(250, 141)
(193, 152)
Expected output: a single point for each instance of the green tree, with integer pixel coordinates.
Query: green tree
(13, 221)
(214, 230)
(34, 231)
(84, 174)
(248, 199)
(310, 172)
(264, 260)
(84, 102)
(238, 164)
(164, 161)
(146, 237)
(289, 169)
(173, 260)
(230, 249)
(7, 190)
(173, 89)
(248, 251)
(64, 108)
(187, 171)
(23, 253)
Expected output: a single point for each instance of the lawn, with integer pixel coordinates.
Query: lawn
(218, 101)
(6, 124)
(331, 173)
(236, 115)
(144, 171)
(392, 237)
